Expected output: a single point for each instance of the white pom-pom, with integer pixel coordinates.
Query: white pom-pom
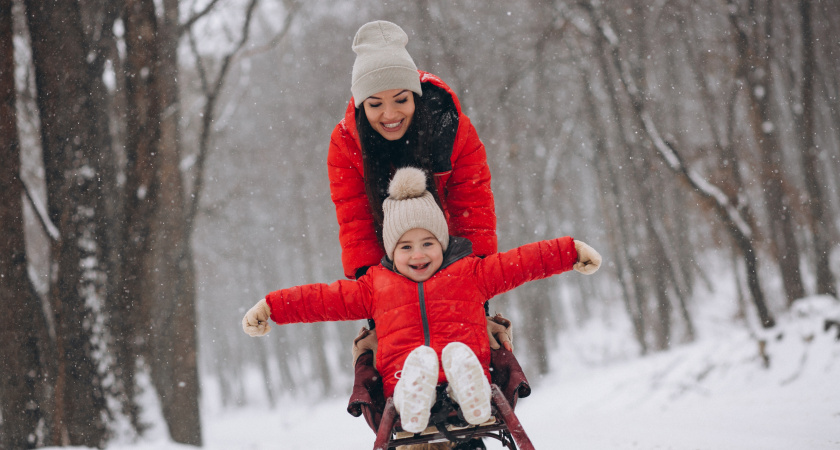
(408, 182)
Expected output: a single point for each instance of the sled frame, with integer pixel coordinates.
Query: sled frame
(507, 429)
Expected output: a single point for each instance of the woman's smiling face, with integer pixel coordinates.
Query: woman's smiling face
(418, 255)
(390, 112)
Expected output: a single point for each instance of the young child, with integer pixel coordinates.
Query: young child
(427, 297)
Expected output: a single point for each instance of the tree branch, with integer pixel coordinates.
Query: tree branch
(697, 182)
(212, 90)
(186, 26)
(294, 7)
(41, 211)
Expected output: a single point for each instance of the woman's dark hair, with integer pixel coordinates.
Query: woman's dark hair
(381, 157)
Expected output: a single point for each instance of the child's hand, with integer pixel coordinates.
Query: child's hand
(588, 259)
(255, 323)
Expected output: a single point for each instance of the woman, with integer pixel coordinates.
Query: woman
(400, 116)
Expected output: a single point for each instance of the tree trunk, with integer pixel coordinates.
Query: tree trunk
(98, 18)
(614, 208)
(731, 182)
(810, 159)
(23, 330)
(142, 136)
(72, 169)
(632, 276)
(755, 71)
(265, 370)
(175, 367)
(662, 267)
(316, 331)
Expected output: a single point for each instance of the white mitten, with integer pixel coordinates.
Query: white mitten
(588, 259)
(255, 323)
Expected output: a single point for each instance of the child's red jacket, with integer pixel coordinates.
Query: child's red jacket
(448, 307)
(463, 184)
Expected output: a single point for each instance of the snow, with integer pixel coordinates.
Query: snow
(767, 127)
(715, 393)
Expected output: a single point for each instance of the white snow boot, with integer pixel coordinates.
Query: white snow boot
(468, 386)
(415, 392)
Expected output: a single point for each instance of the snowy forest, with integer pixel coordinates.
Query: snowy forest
(164, 167)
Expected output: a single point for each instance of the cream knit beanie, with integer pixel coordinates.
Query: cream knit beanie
(409, 205)
(382, 62)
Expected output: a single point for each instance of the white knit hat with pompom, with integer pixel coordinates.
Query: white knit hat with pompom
(409, 205)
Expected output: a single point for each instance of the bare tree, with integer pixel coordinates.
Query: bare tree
(628, 246)
(753, 30)
(736, 224)
(142, 119)
(23, 333)
(810, 158)
(73, 175)
(170, 291)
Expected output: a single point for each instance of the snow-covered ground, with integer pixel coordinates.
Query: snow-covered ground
(713, 394)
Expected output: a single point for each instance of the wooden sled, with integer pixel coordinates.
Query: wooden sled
(508, 385)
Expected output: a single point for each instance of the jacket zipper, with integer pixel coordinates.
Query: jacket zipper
(423, 313)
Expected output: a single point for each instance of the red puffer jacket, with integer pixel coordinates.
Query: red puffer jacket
(464, 190)
(448, 307)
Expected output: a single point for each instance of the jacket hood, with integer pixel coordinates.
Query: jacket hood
(459, 248)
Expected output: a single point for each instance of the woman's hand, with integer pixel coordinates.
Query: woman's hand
(255, 323)
(364, 342)
(499, 332)
(589, 261)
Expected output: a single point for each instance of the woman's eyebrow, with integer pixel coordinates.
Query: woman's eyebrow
(373, 97)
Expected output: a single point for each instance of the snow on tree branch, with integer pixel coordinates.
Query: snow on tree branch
(43, 217)
(703, 187)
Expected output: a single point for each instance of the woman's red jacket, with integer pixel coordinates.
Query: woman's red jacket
(448, 307)
(464, 191)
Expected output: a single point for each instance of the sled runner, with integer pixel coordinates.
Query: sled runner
(508, 385)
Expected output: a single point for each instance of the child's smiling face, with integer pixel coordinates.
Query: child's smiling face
(418, 254)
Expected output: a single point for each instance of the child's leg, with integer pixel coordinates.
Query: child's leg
(415, 393)
(467, 383)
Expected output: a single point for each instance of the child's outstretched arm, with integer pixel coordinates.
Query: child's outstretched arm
(341, 300)
(504, 271)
